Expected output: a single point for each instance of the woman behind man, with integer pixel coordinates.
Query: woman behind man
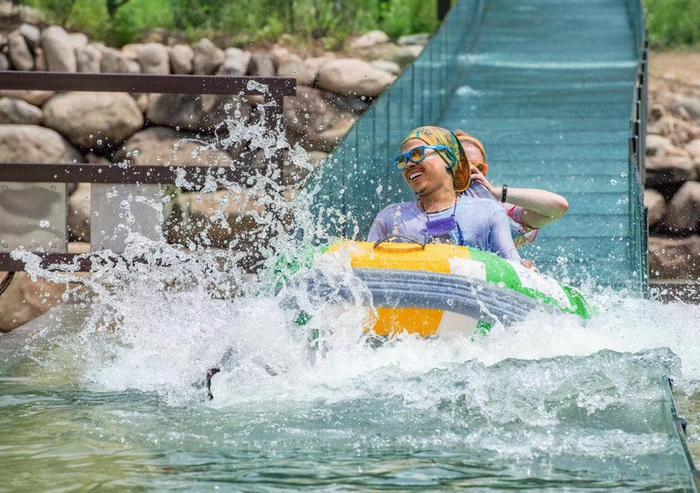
(528, 208)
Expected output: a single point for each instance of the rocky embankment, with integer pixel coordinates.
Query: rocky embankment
(45, 127)
(673, 166)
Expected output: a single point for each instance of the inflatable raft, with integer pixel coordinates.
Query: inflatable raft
(437, 289)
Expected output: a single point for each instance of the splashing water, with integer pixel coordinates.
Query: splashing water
(117, 394)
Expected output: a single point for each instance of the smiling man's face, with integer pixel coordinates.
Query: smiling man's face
(429, 175)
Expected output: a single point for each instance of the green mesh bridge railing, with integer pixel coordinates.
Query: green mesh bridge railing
(556, 91)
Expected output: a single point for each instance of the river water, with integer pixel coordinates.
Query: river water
(106, 393)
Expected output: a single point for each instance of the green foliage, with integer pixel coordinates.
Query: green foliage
(137, 17)
(90, 17)
(673, 22)
(125, 21)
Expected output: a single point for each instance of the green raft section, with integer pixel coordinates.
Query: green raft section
(552, 89)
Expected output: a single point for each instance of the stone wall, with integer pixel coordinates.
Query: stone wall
(673, 167)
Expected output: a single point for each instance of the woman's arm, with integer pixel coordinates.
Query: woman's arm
(500, 239)
(540, 207)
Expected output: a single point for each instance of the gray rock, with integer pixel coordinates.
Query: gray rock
(162, 146)
(94, 120)
(32, 35)
(154, 59)
(421, 39)
(669, 170)
(35, 144)
(660, 146)
(235, 63)
(20, 56)
(90, 58)
(313, 122)
(353, 77)
(113, 62)
(78, 40)
(387, 66)
(17, 111)
(39, 60)
(656, 205)
(181, 59)
(690, 105)
(684, 209)
(4, 62)
(407, 54)
(191, 112)
(59, 50)
(293, 66)
(368, 40)
(693, 148)
(131, 51)
(674, 258)
(314, 64)
(207, 57)
(78, 220)
(262, 65)
(37, 98)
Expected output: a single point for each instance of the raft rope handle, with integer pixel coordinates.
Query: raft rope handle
(6, 282)
(401, 237)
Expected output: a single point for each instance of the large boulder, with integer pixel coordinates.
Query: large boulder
(193, 112)
(181, 59)
(262, 65)
(114, 62)
(684, 209)
(657, 145)
(353, 77)
(656, 206)
(59, 50)
(90, 58)
(677, 131)
(78, 220)
(154, 58)
(387, 66)
(32, 35)
(665, 171)
(207, 57)
(25, 300)
(94, 120)
(312, 121)
(368, 40)
(674, 258)
(162, 146)
(293, 66)
(688, 105)
(20, 56)
(693, 148)
(35, 144)
(14, 110)
(37, 98)
(235, 63)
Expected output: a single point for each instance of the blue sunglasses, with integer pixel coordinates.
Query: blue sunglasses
(417, 155)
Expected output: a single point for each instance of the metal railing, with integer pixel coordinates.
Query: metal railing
(277, 88)
(638, 224)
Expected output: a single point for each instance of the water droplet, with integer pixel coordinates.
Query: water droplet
(44, 223)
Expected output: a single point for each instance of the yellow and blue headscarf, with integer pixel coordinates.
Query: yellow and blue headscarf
(456, 160)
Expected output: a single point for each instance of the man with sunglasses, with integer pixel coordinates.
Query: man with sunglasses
(434, 165)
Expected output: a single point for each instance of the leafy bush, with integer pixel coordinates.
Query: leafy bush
(90, 17)
(673, 22)
(137, 17)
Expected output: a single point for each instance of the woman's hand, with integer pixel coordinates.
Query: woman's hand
(478, 177)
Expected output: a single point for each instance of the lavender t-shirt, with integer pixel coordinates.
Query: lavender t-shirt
(483, 224)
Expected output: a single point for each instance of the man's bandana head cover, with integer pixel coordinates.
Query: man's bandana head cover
(456, 161)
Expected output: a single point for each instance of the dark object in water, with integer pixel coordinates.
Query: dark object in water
(210, 373)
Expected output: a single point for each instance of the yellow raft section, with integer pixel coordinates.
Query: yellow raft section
(438, 258)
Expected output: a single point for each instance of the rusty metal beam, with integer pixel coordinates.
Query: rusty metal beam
(162, 84)
(8, 264)
(94, 173)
